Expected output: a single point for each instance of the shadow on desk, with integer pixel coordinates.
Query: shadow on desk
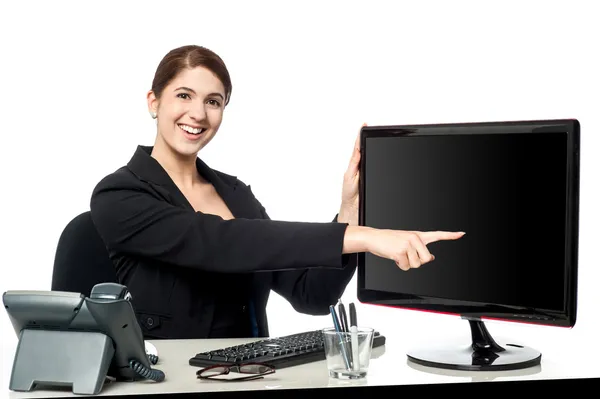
(377, 352)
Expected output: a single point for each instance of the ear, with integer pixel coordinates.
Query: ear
(152, 102)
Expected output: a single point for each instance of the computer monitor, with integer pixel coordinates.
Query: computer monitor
(513, 188)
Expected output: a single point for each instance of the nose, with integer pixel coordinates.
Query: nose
(197, 111)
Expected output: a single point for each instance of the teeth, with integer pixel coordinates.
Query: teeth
(190, 129)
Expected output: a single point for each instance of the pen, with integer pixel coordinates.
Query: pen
(336, 325)
(336, 322)
(345, 326)
(343, 318)
(354, 337)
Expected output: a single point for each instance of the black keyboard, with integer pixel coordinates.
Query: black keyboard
(280, 352)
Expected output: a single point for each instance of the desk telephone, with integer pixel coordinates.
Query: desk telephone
(67, 339)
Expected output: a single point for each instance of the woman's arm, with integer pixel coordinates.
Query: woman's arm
(312, 290)
(133, 218)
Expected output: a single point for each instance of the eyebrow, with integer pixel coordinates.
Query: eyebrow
(192, 91)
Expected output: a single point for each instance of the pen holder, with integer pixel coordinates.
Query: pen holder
(348, 353)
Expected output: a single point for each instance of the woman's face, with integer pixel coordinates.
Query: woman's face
(189, 111)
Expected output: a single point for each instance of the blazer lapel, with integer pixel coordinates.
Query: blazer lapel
(148, 169)
(238, 200)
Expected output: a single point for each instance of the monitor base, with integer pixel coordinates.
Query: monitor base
(513, 358)
(484, 354)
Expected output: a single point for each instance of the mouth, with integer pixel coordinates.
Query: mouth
(192, 133)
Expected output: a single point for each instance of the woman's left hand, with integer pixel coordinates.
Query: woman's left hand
(349, 208)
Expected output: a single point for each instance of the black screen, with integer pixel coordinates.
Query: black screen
(506, 191)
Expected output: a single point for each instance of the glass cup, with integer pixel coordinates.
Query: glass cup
(348, 353)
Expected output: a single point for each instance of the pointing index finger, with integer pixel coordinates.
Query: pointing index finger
(431, 236)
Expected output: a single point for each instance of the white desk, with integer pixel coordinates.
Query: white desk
(389, 367)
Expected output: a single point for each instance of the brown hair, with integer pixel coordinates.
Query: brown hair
(190, 56)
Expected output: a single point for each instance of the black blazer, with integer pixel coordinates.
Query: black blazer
(180, 265)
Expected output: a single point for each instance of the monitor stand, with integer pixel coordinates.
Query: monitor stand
(484, 354)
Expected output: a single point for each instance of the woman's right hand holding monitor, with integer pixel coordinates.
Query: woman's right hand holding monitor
(407, 248)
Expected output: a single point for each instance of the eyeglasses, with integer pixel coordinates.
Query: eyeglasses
(254, 371)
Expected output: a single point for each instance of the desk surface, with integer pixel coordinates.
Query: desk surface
(389, 367)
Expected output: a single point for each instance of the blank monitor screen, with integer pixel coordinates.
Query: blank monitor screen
(505, 185)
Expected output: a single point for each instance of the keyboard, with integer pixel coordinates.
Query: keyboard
(279, 352)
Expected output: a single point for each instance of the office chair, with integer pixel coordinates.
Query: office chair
(81, 260)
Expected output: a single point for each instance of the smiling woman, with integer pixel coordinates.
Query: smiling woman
(188, 241)
(189, 93)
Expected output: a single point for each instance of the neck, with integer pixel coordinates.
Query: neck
(181, 169)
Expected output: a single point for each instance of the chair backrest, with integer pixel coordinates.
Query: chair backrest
(81, 259)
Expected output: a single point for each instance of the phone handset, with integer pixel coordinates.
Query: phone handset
(117, 295)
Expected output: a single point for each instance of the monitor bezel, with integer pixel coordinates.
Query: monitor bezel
(479, 310)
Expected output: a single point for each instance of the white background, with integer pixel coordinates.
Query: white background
(306, 75)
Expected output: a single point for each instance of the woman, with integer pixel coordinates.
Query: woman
(194, 246)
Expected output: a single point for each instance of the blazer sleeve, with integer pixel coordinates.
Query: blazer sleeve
(312, 290)
(133, 219)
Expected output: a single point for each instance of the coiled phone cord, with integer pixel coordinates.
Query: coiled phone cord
(147, 372)
(153, 358)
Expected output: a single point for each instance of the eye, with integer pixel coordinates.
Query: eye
(185, 96)
(214, 103)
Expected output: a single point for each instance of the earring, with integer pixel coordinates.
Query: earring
(153, 114)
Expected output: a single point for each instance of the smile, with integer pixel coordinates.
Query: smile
(192, 130)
